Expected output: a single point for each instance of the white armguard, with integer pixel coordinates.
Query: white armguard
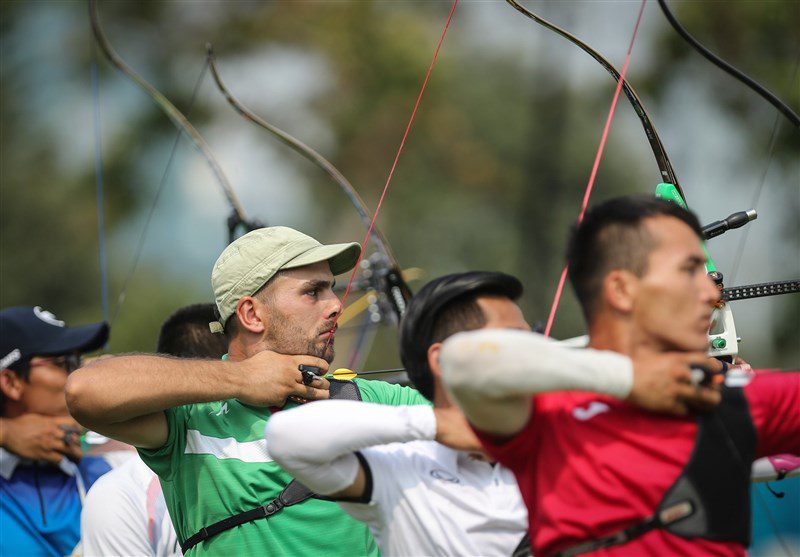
(495, 363)
(315, 442)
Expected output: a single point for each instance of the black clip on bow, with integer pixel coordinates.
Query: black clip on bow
(309, 373)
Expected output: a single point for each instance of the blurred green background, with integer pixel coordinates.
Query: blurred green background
(492, 175)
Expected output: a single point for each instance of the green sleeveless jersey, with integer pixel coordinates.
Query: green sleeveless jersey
(216, 464)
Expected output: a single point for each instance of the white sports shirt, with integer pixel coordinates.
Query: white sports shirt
(424, 499)
(125, 514)
(428, 499)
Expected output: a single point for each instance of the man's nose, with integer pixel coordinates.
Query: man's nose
(336, 307)
(711, 292)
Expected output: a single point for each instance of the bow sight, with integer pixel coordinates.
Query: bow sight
(386, 292)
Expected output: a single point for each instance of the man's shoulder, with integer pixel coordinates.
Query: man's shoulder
(120, 484)
(217, 407)
(566, 401)
(401, 460)
(410, 450)
(381, 392)
(133, 475)
(770, 384)
(93, 467)
(223, 418)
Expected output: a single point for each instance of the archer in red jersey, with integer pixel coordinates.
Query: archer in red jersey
(599, 474)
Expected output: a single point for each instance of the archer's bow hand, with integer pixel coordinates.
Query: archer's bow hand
(663, 383)
(269, 378)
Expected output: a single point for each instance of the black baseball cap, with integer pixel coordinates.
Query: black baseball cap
(27, 331)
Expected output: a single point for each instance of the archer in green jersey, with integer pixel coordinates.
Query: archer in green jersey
(199, 424)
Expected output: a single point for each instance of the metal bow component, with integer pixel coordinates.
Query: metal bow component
(381, 271)
(660, 154)
(761, 290)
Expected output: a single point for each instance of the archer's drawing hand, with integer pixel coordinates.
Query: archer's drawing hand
(663, 383)
(38, 437)
(269, 378)
(452, 430)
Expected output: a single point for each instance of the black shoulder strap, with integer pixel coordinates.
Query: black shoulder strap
(716, 480)
(293, 494)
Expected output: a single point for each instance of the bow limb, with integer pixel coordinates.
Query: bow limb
(386, 274)
(660, 154)
(729, 69)
(723, 339)
(175, 115)
(305, 151)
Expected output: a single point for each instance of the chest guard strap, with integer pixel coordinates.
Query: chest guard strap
(293, 494)
(711, 497)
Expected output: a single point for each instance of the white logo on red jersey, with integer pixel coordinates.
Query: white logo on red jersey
(591, 411)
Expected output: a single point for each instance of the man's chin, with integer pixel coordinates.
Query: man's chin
(699, 344)
(323, 352)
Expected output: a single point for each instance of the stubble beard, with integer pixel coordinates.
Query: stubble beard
(286, 337)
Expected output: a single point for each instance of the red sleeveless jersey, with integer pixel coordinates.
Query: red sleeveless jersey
(590, 465)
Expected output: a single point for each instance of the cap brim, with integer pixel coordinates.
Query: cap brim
(84, 338)
(341, 257)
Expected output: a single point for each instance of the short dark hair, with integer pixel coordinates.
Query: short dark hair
(613, 236)
(443, 307)
(186, 334)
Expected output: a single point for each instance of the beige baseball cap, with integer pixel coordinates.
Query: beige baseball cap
(250, 261)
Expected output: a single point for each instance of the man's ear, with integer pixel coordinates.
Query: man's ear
(620, 288)
(433, 359)
(11, 384)
(248, 315)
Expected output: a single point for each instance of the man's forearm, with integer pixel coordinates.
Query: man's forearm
(493, 373)
(499, 363)
(325, 463)
(118, 389)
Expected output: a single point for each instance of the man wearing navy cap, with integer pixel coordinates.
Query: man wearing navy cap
(42, 476)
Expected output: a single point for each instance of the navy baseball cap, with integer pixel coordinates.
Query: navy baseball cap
(26, 332)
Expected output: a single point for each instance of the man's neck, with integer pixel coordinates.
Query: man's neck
(611, 334)
(441, 398)
(241, 348)
(620, 336)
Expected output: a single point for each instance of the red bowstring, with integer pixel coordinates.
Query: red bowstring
(394, 164)
(596, 165)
